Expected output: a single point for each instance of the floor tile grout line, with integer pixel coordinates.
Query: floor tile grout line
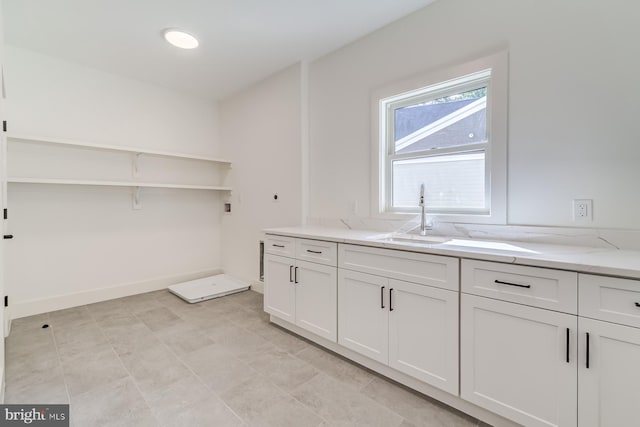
(275, 385)
(135, 383)
(64, 374)
(188, 367)
(46, 322)
(324, 372)
(241, 325)
(358, 391)
(287, 393)
(310, 409)
(282, 389)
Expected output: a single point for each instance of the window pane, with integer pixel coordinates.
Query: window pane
(454, 120)
(453, 182)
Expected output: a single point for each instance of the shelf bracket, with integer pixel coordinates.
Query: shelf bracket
(137, 205)
(135, 166)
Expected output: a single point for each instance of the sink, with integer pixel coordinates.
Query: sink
(441, 242)
(413, 239)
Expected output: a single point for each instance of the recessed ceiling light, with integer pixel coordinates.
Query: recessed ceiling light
(180, 39)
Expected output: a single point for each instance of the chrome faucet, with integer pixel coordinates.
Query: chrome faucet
(423, 222)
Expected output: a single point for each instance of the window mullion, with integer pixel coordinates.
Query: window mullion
(440, 151)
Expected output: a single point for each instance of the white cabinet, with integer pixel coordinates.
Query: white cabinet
(431, 270)
(518, 361)
(301, 292)
(608, 373)
(542, 367)
(316, 298)
(363, 314)
(609, 376)
(610, 299)
(538, 346)
(538, 287)
(518, 342)
(410, 327)
(423, 333)
(280, 291)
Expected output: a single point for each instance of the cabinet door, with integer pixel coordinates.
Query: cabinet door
(514, 361)
(423, 333)
(279, 290)
(363, 313)
(609, 389)
(316, 299)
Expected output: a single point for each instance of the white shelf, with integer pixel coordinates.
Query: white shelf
(114, 184)
(70, 143)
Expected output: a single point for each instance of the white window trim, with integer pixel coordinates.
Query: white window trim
(496, 153)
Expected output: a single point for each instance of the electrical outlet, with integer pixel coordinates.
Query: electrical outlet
(582, 210)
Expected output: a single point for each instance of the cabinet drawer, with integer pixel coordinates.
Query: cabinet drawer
(432, 270)
(538, 287)
(610, 299)
(317, 251)
(279, 245)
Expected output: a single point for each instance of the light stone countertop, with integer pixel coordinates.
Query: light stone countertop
(612, 262)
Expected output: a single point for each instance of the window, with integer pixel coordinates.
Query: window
(448, 131)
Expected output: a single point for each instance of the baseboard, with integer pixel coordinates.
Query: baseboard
(45, 305)
(426, 389)
(257, 286)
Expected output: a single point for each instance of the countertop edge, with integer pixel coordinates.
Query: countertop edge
(586, 260)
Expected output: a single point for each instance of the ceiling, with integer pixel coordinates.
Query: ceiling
(241, 41)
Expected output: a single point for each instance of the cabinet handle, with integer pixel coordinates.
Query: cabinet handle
(314, 252)
(382, 297)
(638, 304)
(568, 335)
(290, 273)
(500, 282)
(278, 246)
(587, 364)
(390, 301)
(295, 275)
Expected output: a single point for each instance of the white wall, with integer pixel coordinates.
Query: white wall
(75, 244)
(261, 133)
(572, 105)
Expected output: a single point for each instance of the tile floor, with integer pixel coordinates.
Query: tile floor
(154, 360)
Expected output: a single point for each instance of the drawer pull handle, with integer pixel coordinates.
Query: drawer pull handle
(382, 297)
(587, 364)
(295, 276)
(314, 252)
(291, 274)
(390, 303)
(638, 304)
(500, 282)
(568, 334)
(278, 246)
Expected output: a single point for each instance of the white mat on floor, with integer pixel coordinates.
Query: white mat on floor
(207, 288)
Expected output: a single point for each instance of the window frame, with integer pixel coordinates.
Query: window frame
(440, 83)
